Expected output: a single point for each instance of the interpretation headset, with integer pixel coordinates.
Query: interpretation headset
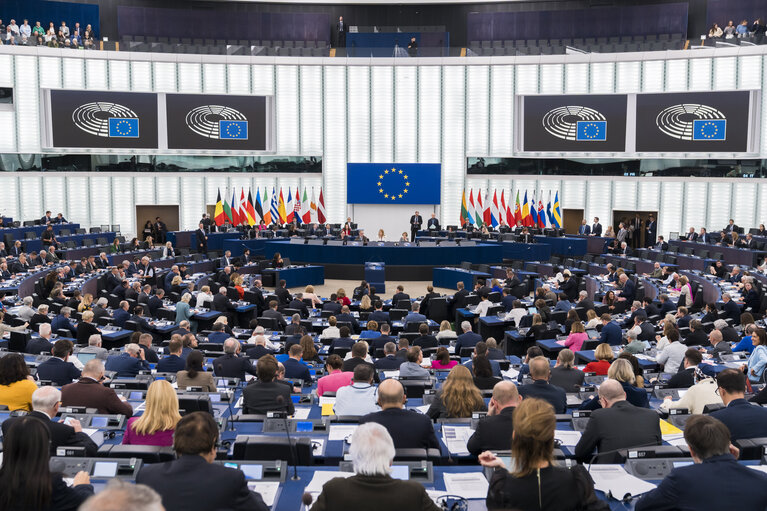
(452, 503)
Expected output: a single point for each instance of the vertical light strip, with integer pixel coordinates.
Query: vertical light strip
(73, 73)
(192, 202)
(50, 71)
(9, 181)
(676, 75)
(526, 79)
(501, 110)
(477, 110)
(141, 76)
(720, 193)
(239, 79)
(382, 113)
(429, 114)
(119, 75)
(576, 78)
(453, 133)
(32, 205)
(311, 110)
(96, 74)
(287, 109)
(653, 75)
(405, 114)
(603, 77)
(77, 200)
(165, 79)
(6, 78)
(189, 77)
(214, 78)
(749, 72)
(27, 98)
(552, 78)
(628, 79)
(55, 194)
(124, 210)
(725, 73)
(744, 206)
(263, 79)
(100, 199)
(334, 159)
(670, 212)
(358, 90)
(701, 73)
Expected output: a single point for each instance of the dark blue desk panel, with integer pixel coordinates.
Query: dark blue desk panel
(526, 251)
(564, 246)
(299, 276)
(448, 277)
(17, 233)
(731, 255)
(395, 256)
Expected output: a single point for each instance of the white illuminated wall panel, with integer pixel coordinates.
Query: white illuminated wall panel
(238, 79)
(719, 205)
(77, 208)
(382, 113)
(453, 155)
(358, 118)
(101, 200)
(189, 77)
(311, 110)
(749, 73)
(214, 78)
(576, 78)
(526, 79)
(628, 77)
(696, 199)
(165, 77)
(141, 76)
(625, 194)
(725, 73)
(50, 71)
(670, 212)
(551, 78)
(429, 114)
(405, 114)
(6, 78)
(263, 79)
(54, 196)
(27, 99)
(287, 110)
(32, 205)
(334, 161)
(602, 77)
(124, 211)
(653, 75)
(501, 110)
(598, 200)
(477, 106)
(744, 205)
(73, 73)
(96, 74)
(700, 73)
(676, 75)
(119, 75)
(192, 202)
(9, 206)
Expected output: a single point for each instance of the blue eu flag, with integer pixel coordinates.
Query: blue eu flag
(591, 131)
(235, 130)
(709, 129)
(393, 183)
(123, 127)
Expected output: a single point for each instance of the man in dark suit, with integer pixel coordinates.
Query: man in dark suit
(294, 367)
(61, 322)
(222, 304)
(618, 424)
(265, 394)
(121, 314)
(661, 244)
(161, 229)
(201, 239)
(424, 340)
(258, 299)
(230, 364)
(90, 393)
(731, 227)
(378, 343)
(651, 230)
(129, 363)
(57, 368)
(259, 350)
(332, 305)
(627, 288)
(508, 299)
(273, 313)
(378, 315)
(389, 362)
(42, 344)
(140, 320)
(596, 227)
(415, 225)
(611, 331)
(743, 419)
(715, 481)
(155, 302)
(685, 378)
(459, 298)
(344, 341)
(341, 30)
(433, 224)
(493, 432)
(346, 316)
(226, 260)
(584, 229)
(298, 304)
(399, 295)
(467, 339)
(692, 235)
(731, 309)
(408, 429)
(282, 293)
(194, 441)
(414, 316)
(697, 335)
(541, 388)
(173, 362)
(45, 406)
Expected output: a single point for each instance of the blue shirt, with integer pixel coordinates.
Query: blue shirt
(745, 344)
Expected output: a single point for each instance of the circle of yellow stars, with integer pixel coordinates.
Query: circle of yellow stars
(230, 127)
(709, 134)
(393, 172)
(590, 130)
(119, 127)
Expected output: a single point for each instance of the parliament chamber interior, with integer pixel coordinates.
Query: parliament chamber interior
(469, 255)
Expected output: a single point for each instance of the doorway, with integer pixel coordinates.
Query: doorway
(571, 220)
(639, 237)
(168, 214)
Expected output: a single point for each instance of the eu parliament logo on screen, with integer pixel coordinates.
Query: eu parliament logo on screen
(393, 183)
(122, 127)
(233, 130)
(709, 129)
(591, 131)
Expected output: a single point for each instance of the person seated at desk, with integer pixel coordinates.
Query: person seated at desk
(390, 360)
(158, 422)
(424, 340)
(194, 374)
(720, 346)
(611, 333)
(86, 328)
(494, 431)
(412, 368)
(378, 315)
(481, 350)
(442, 360)
(715, 481)
(230, 364)
(294, 326)
(26, 481)
(267, 394)
(757, 360)
(698, 337)
(89, 392)
(61, 322)
(414, 316)
(332, 331)
(603, 356)
(564, 374)
(622, 371)
(58, 369)
(195, 442)
(298, 304)
(346, 317)
(372, 330)
(458, 397)
(482, 370)
(335, 377)
(359, 398)
(294, 367)
(173, 363)
(618, 424)
(537, 330)
(372, 487)
(577, 336)
(742, 418)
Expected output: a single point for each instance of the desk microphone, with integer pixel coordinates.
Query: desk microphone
(231, 412)
(293, 451)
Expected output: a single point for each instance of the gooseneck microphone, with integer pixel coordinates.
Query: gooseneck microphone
(293, 451)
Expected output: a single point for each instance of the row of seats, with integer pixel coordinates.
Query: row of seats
(224, 42)
(579, 41)
(225, 49)
(559, 46)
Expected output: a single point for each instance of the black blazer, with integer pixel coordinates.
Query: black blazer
(544, 390)
(222, 303)
(333, 307)
(438, 410)
(224, 488)
(373, 493)
(231, 366)
(620, 426)
(277, 316)
(569, 379)
(261, 397)
(389, 363)
(697, 338)
(408, 429)
(283, 295)
(493, 433)
(58, 371)
(684, 379)
(85, 330)
(61, 434)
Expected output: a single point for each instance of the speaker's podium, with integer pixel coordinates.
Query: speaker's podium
(375, 275)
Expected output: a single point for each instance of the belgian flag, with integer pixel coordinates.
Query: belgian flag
(218, 215)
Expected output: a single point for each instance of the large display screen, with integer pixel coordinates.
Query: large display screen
(704, 122)
(587, 123)
(203, 121)
(103, 119)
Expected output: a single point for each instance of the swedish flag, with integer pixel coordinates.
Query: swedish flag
(591, 131)
(709, 129)
(234, 130)
(123, 127)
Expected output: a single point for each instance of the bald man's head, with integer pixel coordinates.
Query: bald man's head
(611, 391)
(391, 394)
(505, 394)
(540, 368)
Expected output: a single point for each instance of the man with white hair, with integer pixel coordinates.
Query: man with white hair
(372, 487)
(730, 308)
(467, 339)
(120, 495)
(261, 332)
(45, 406)
(100, 309)
(128, 363)
(89, 392)
(26, 311)
(94, 346)
(42, 344)
(230, 364)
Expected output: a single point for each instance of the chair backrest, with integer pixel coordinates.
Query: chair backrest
(267, 323)
(437, 309)
(262, 447)
(397, 314)
(404, 304)
(131, 325)
(146, 453)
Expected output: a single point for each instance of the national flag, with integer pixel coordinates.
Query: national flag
(502, 208)
(233, 130)
(480, 210)
(321, 216)
(588, 131)
(273, 207)
(549, 214)
(709, 129)
(509, 215)
(252, 220)
(218, 214)
(227, 210)
(464, 209)
(487, 216)
(557, 212)
(242, 210)
(234, 206)
(533, 212)
(267, 216)
(281, 213)
(259, 207)
(313, 207)
(123, 127)
(494, 211)
(541, 214)
(517, 211)
(471, 209)
(289, 214)
(297, 206)
(306, 211)
(526, 218)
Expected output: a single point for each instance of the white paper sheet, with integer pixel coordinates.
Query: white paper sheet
(567, 437)
(421, 409)
(455, 438)
(675, 439)
(339, 432)
(391, 374)
(323, 476)
(267, 490)
(302, 413)
(510, 373)
(469, 485)
(324, 400)
(615, 481)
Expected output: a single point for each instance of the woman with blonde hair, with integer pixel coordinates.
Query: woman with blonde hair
(204, 296)
(458, 397)
(177, 285)
(158, 422)
(535, 482)
(309, 294)
(238, 280)
(622, 371)
(341, 295)
(365, 304)
(183, 313)
(592, 320)
(446, 332)
(86, 303)
(604, 357)
(168, 250)
(685, 292)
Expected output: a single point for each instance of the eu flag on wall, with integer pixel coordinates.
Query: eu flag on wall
(393, 183)
(709, 129)
(123, 127)
(236, 130)
(591, 131)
